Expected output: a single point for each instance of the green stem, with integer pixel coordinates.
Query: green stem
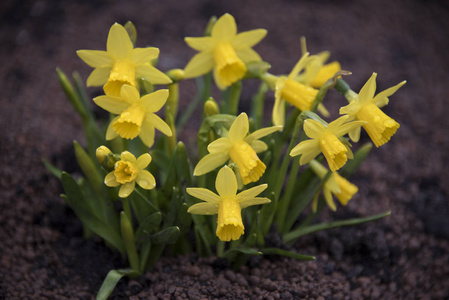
(146, 200)
(127, 209)
(220, 248)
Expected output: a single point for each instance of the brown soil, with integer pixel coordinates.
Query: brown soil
(405, 256)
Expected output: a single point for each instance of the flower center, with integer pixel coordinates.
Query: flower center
(129, 122)
(251, 168)
(125, 171)
(380, 127)
(229, 67)
(298, 94)
(123, 72)
(333, 150)
(229, 221)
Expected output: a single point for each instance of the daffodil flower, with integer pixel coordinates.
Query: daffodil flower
(326, 140)
(366, 107)
(292, 91)
(317, 72)
(335, 184)
(136, 116)
(121, 63)
(129, 170)
(240, 148)
(225, 51)
(227, 204)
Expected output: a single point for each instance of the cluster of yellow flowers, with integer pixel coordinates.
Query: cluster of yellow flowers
(227, 54)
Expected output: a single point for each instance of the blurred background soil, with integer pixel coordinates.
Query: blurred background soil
(404, 256)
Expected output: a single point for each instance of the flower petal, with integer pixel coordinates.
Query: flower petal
(153, 75)
(158, 123)
(367, 92)
(278, 114)
(140, 56)
(381, 99)
(304, 146)
(153, 102)
(113, 105)
(203, 209)
(210, 162)
(98, 77)
(226, 183)
(143, 161)
(204, 194)
(248, 55)
(254, 201)
(220, 145)
(329, 200)
(147, 133)
(126, 189)
(200, 64)
(204, 43)
(239, 129)
(345, 128)
(146, 180)
(251, 193)
(334, 125)
(299, 66)
(313, 128)
(110, 133)
(224, 29)
(309, 155)
(351, 109)
(248, 39)
(129, 93)
(110, 180)
(262, 133)
(354, 134)
(95, 58)
(119, 44)
(258, 146)
(128, 156)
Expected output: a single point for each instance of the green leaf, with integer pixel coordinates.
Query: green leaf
(232, 253)
(89, 169)
(182, 164)
(353, 165)
(52, 169)
(149, 225)
(111, 281)
(129, 241)
(166, 236)
(286, 253)
(296, 233)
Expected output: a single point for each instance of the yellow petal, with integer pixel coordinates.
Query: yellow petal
(143, 161)
(313, 128)
(278, 114)
(126, 189)
(110, 133)
(248, 39)
(329, 200)
(205, 43)
(147, 133)
(210, 162)
(354, 134)
(218, 81)
(299, 66)
(140, 56)
(367, 92)
(111, 104)
(226, 183)
(127, 156)
(309, 155)
(119, 44)
(239, 129)
(258, 146)
(220, 145)
(345, 128)
(254, 201)
(158, 123)
(129, 93)
(204, 194)
(95, 58)
(146, 180)
(153, 102)
(110, 180)
(248, 55)
(200, 64)
(153, 75)
(258, 134)
(203, 209)
(381, 99)
(225, 29)
(351, 109)
(251, 193)
(98, 77)
(304, 146)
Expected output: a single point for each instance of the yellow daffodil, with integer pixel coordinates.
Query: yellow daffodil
(227, 204)
(292, 91)
(225, 51)
(326, 140)
(317, 72)
(366, 107)
(335, 184)
(240, 148)
(136, 116)
(121, 63)
(129, 170)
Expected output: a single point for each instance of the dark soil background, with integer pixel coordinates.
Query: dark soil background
(404, 256)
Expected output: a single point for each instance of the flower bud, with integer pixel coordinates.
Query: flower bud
(101, 153)
(211, 107)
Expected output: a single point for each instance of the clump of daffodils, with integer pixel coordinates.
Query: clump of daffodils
(249, 175)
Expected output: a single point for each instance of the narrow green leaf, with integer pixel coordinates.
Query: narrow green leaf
(52, 169)
(111, 281)
(353, 165)
(286, 253)
(150, 225)
(166, 236)
(129, 241)
(90, 170)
